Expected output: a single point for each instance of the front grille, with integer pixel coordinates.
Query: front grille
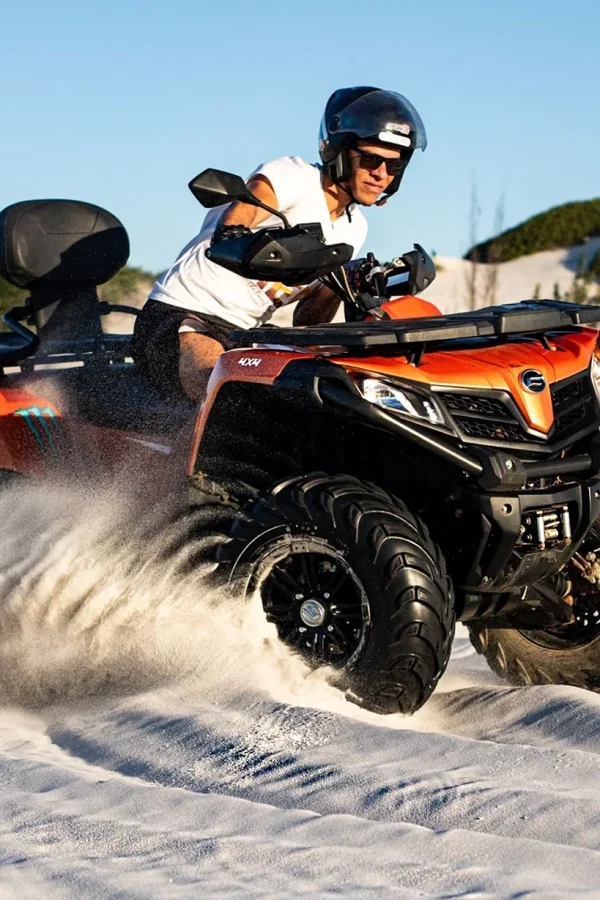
(574, 406)
(565, 393)
(483, 418)
(472, 404)
(575, 418)
(491, 430)
(491, 418)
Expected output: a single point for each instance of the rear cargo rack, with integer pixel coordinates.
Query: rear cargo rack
(526, 317)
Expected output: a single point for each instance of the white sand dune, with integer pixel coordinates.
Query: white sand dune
(152, 745)
(516, 280)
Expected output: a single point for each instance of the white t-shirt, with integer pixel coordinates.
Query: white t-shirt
(195, 283)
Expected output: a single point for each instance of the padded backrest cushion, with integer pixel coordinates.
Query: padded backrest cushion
(60, 243)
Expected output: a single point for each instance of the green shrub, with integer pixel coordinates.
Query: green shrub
(130, 280)
(9, 296)
(562, 226)
(127, 285)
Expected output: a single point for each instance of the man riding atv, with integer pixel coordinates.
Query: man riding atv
(370, 481)
(367, 138)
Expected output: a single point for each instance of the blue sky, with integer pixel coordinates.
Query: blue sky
(121, 103)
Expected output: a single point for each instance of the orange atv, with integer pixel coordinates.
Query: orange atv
(373, 480)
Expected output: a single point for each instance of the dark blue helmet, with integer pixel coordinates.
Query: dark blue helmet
(368, 113)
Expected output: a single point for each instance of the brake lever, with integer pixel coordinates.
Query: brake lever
(396, 267)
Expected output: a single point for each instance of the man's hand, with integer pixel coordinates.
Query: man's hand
(320, 306)
(355, 275)
(228, 232)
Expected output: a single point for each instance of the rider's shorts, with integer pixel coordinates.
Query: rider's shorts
(155, 344)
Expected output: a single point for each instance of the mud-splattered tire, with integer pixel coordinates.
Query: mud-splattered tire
(394, 607)
(518, 659)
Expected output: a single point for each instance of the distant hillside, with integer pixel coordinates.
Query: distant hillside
(562, 226)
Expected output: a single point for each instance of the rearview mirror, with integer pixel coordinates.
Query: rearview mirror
(214, 188)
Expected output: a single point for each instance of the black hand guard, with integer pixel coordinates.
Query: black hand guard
(228, 232)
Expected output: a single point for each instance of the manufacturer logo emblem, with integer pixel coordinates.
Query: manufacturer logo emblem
(533, 381)
(312, 613)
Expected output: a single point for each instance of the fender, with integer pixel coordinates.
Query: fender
(409, 307)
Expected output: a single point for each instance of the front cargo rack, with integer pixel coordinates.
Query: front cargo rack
(526, 317)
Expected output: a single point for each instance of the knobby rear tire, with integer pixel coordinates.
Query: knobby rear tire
(520, 661)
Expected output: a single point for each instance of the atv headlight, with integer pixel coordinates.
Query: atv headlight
(399, 399)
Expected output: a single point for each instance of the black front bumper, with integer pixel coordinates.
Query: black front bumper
(479, 529)
(493, 561)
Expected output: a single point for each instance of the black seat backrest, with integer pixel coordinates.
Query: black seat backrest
(61, 250)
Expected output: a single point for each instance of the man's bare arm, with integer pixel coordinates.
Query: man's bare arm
(320, 306)
(251, 216)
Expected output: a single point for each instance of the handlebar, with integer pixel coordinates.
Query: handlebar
(293, 256)
(371, 281)
(299, 255)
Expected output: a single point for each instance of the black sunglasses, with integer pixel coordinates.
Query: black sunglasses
(372, 161)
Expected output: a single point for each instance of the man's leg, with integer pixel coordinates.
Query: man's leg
(198, 355)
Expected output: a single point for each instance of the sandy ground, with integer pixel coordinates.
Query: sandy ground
(156, 742)
(152, 745)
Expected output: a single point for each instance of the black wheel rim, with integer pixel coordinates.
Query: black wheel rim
(315, 601)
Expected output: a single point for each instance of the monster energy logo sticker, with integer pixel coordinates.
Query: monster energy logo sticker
(46, 428)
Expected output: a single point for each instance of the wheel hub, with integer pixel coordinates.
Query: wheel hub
(315, 600)
(313, 613)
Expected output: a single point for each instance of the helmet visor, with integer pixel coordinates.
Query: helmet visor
(383, 116)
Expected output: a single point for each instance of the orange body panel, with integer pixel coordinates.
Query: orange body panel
(33, 438)
(497, 367)
(36, 437)
(410, 308)
(255, 365)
